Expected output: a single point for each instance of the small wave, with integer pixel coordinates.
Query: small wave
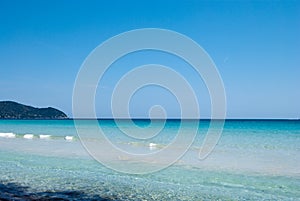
(156, 145)
(232, 185)
(8, 135)
(69, 138)
(153, 146)
(44, 136)
(38, 136)
(28, 136)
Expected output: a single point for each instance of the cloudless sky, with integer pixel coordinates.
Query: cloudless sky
(254, 44)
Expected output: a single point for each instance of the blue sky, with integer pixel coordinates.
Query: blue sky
(254, 44)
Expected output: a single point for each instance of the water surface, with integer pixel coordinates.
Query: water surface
(254, 160)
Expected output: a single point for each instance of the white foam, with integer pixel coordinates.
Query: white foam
(69, 138)
(152, 146)
(28, 136)
(45, 136)
(8, 135)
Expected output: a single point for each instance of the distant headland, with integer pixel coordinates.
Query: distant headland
(14, 110)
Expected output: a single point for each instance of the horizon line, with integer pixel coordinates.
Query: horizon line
(166, 119)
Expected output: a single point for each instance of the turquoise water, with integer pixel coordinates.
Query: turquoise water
(254, 160)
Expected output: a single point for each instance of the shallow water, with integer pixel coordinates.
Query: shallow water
(254, 160)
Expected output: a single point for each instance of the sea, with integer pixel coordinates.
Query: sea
(49, 160)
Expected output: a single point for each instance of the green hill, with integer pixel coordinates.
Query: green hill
(13, 110)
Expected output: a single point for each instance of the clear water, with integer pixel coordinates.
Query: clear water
(254, 160)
